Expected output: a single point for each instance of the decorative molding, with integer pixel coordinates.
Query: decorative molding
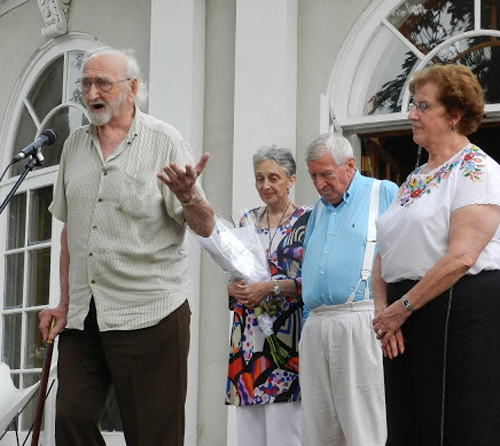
(55, 13)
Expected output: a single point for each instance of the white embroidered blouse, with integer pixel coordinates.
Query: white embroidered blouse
(413, 233)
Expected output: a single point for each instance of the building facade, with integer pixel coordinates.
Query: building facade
(230, 75)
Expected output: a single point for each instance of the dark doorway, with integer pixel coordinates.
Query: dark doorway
(394, 155)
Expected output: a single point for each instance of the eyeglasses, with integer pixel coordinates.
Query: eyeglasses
(102, 84)
(421, 106)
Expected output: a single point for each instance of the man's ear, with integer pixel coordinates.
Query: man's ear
(134, 87)
(351, 163)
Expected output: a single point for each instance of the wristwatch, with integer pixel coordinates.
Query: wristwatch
(277, 289)
(406, 303)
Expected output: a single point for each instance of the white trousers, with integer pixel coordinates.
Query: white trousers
(341, 378)
(276, 424)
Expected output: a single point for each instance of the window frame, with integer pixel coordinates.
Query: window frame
(345, 71)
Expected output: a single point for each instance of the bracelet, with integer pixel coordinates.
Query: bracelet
(192, 200)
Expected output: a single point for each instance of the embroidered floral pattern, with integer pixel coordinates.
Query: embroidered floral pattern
(469, 161)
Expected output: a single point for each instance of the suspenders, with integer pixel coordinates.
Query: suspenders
(371, 239)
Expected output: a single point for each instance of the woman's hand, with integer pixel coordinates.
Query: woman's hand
(387, 326)
(395, 346)
(250, 294)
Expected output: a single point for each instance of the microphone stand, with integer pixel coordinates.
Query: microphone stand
(35, 160)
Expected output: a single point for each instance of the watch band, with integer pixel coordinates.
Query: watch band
(406, 303)
(192, 200)
(277, 289)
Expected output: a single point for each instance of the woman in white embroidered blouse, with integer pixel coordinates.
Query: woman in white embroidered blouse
(437, 274)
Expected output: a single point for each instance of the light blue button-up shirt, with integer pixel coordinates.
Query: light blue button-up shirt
(335, 244)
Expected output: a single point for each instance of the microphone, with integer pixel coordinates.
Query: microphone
(47, 137)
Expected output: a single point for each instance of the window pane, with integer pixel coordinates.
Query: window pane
(11, 348)
(28, 415)
(383, 94)
(482, 57)
(34, 354)
(46, 93)
(39, 275)
(17, 221)
(490, 17)
(75, 63)
(63, 121)
(14, 277)
(40, 218)
(428, 23)
(26, 132)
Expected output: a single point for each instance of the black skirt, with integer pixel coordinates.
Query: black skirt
(445, 388)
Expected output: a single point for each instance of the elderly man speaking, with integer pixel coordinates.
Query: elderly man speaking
(340, 358)
(125, 192)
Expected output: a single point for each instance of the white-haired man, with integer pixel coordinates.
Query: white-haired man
(126, 188)
(341, 371)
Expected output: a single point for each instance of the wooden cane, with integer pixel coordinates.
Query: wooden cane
(43, 389)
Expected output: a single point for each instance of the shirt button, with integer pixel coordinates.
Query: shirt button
(94, 227)
(105, 172)
(92, 282)
(91, 255)
(99, 200)
(321, 272)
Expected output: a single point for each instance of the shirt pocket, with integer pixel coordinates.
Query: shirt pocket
(139, 199)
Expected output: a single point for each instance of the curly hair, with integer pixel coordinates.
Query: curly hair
(460, 93)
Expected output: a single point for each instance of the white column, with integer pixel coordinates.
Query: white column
(176, 81)
(265, 87)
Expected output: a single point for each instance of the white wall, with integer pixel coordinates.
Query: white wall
(265, 87)
(323, 27)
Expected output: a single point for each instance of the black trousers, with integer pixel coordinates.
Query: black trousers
(148, 369)
(445, 388)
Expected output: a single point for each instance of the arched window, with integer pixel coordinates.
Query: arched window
(392, 39)
(368, 91)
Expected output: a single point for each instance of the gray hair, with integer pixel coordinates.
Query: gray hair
(281, 156)
(334, 144)
(132, 70)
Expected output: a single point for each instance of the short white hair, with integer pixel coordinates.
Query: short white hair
(334, 144)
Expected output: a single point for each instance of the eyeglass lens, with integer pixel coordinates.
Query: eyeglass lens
(101, 84)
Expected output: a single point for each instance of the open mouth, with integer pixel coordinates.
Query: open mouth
(97, 107)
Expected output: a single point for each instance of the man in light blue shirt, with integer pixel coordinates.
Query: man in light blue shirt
(340, 358)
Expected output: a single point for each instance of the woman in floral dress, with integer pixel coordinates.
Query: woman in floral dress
(263, 371)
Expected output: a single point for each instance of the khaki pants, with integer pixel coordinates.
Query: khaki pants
(341, 378)
(148, 369)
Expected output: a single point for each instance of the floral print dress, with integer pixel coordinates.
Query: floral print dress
(253, 376)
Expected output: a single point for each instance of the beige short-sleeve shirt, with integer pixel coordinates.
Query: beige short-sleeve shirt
(126, 228)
